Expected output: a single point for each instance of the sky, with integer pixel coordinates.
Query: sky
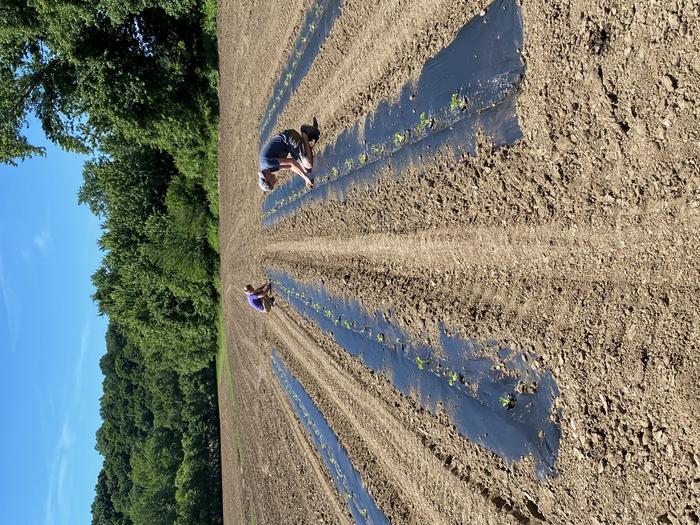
(51, 341)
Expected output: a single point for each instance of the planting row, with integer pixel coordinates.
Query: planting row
(469, 86)
(317, 25)
(347, 479)
(504, 403)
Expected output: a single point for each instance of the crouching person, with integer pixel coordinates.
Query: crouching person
(289, 150)
(260, 298)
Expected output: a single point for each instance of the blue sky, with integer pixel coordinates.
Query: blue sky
(51, 340)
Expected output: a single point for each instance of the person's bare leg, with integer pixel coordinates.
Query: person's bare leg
(308, 158)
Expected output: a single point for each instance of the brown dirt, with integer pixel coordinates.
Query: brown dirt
(581, 242)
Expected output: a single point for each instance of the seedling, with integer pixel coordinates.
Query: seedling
(363, 513)
(422, 363)
(424, 123)
(348, 164)
(376, 149)
(362, 159)
(399, 138)
(380, 338)
(508, 401)
(452, 376)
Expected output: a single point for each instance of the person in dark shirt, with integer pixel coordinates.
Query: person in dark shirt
(290, 150)
(260, 298)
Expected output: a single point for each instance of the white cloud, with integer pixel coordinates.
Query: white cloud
(56, 501)
(84, 342)
(42, 240)
(66, 440)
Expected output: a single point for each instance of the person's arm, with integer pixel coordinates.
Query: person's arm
(262, 290)
(295, 167)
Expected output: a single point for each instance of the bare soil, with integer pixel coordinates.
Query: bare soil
(579, 242)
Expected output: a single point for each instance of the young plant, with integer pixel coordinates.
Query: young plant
(376, 150)
(422, 363)
(452, 376)
(458, 102)
(424, 122)
(399, 138)
(508, 401)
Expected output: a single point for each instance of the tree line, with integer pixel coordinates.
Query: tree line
(133, 84)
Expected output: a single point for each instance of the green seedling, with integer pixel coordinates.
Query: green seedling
(455, 101)
(380, 338)
(328, 313)
(399, 138)
(334, 172)
(376, 149)
(346, 324)
(452, 376)
(362, 159)
(508, 401)
(363, 513)
(348, 164)
(458, 102)
(422, 363)
(424, 123)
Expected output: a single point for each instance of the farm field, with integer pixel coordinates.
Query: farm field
(492, 295)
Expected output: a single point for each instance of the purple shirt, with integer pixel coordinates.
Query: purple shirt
(255, 302)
